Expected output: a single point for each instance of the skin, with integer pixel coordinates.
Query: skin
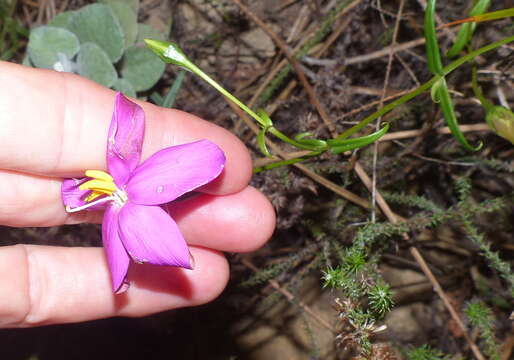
(54, 125)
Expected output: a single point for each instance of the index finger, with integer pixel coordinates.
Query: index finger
(56, 124)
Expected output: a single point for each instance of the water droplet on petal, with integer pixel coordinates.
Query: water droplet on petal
(160, 188)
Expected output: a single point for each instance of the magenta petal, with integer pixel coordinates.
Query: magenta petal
(71, 194)
(151, 236)
(117, 256)
(73, 197)
(125, 139)
(175, 171)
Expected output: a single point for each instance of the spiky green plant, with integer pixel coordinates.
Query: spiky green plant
(480, 316)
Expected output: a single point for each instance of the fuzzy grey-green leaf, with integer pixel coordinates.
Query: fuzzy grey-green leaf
(128, 20)
(94, 63)
(46, 42)
(141, 67)
(62, 20)
(97, 23)
(134, 4)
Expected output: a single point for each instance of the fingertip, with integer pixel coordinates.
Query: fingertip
(15, 301)
(239, 222)
(158, 288)
(214, 278)
(258, 219)
(261, 219)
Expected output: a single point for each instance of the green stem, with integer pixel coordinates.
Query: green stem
(249, 111)
(494, 15)
(286, 162)
(446, 70)
(388, 108)
(478, 91)
(222, 90)
(454, 65)
(299, 145)
(426, 86)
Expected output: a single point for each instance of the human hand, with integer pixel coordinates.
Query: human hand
(54, 125)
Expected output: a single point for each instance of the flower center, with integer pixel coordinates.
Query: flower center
(102, 189)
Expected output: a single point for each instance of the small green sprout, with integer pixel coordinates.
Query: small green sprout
(380, 299)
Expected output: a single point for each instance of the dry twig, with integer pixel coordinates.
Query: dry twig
(291, 298)
(380, 104)
(294, 63)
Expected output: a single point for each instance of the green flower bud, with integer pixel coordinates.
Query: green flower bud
(169, 52)
(501, 120)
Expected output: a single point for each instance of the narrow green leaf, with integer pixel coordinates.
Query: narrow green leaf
(47, 42)
(450, 118)
(169, 100)
(156, 98)
(424, 87)
(266, 120)
(467, 29)
(266, 124)
(494, 15)
(432, 45)
(94, 63)
(96, 23)
(302, 139)
(261, 142)
(463, 37)
(339, 146)
(434, 91)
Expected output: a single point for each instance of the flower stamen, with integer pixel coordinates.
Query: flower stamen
(88, 205)
(99, 174)
(100, 185)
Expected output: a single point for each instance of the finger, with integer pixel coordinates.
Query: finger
(237, 222)
(33, 200)
(62, 128)
(53, 285)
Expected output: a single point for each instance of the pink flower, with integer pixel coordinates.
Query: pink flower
(135, 226)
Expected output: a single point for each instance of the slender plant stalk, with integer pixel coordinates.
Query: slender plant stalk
(478, 91)
(286, 162)
(424, 87)
(171, 96)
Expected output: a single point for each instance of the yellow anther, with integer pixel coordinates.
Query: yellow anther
(101, 186)
(94, 195)
(99, 174)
